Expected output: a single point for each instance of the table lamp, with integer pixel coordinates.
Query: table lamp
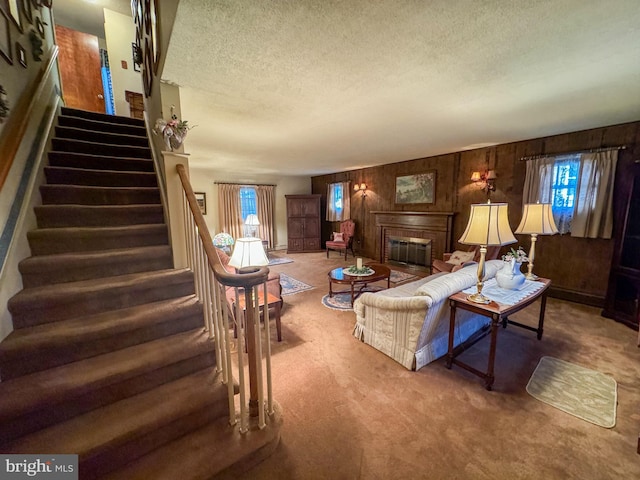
(537, 219)
(488, 225)
(252, 222)
(248, 252)
(223, 241)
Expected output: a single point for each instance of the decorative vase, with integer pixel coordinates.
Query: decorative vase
(509, 276)
(175, 141)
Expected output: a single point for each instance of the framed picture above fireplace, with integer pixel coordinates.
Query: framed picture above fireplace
(416, 188)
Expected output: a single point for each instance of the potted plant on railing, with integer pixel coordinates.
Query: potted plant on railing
(173, 132)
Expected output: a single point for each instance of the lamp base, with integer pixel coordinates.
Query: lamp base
(531, 276)
(478, 298)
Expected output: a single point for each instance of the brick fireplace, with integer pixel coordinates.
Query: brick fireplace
(434, 226)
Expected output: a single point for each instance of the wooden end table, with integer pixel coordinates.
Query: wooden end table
(338, 276)
(272, 301)
(499, 315)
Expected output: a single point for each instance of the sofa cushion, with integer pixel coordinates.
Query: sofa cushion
(450, 283)
(459, 257)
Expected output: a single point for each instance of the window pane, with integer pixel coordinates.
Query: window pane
(337, 198)
(248, 201)
(563, 190)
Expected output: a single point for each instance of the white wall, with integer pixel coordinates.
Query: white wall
(120, 32)
(202, 180)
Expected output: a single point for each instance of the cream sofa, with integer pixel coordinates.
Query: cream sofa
(410, 323)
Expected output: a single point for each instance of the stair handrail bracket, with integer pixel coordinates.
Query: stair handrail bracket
(212, 282)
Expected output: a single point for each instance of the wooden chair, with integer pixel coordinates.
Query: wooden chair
(347, 230)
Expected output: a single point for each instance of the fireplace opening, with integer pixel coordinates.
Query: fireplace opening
(410, 252)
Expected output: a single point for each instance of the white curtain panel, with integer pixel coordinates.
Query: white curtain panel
(593, 211)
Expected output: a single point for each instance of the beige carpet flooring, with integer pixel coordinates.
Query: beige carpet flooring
(350, 412)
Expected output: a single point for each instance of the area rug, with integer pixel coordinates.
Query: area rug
(342, 301)
(279, 260)
(576, 390)
(400, 277)
(291, 286)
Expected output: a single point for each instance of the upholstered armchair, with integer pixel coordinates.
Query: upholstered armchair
(452, 262)
(342, 240)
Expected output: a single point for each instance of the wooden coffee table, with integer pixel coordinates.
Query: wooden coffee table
(272, 301)
(338, 276)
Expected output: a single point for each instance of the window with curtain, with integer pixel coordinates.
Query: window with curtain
(236, 202)
(579, 188)
(338, 202)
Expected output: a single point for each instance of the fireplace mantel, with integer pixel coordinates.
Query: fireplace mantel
(435, 226)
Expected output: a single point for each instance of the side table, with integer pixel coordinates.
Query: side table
(272, 301)
(499, 315)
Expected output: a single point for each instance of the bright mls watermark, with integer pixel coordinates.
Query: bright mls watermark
(45, 466)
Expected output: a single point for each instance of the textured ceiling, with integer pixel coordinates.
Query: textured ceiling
(304, 87)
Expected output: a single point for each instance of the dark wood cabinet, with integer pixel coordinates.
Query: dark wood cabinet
(303, 223)
(623, 293)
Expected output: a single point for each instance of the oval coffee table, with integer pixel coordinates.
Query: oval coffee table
(338, 276)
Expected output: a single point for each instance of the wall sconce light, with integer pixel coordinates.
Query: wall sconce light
(362, 187)
(487, 180)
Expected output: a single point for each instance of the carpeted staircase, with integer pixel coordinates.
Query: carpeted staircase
(108, 359)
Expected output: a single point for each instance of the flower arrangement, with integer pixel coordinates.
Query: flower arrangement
(174, 131)
(359, 271)
(519, 255)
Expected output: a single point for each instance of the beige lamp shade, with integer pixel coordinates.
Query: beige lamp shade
(537, 218)
(488, 225)
(248, 252)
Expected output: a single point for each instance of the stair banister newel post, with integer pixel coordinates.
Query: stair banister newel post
(251, 350)
(210, 276)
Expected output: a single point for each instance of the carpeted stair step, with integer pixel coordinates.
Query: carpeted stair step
(100, 178)
(103, 442)
(101, 126)
(81, 146)
(48, 241)
(100, 137)
(99, 162)
(52, 303)
(76, 266)
(84, 195)
(234, 453)
(101, 117)
(33, 349)
(56, 216)
(42, 399)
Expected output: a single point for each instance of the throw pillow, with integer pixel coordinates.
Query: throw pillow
(337, 237)
(459, 257)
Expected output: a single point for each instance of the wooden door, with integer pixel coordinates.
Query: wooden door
(79, 61)
(136, 104)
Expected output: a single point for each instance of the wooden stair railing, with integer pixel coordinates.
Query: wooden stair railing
(211, 280)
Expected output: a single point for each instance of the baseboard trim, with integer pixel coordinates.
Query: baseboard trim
(576, 297)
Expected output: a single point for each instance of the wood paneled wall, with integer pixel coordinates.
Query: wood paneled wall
(578, 267)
